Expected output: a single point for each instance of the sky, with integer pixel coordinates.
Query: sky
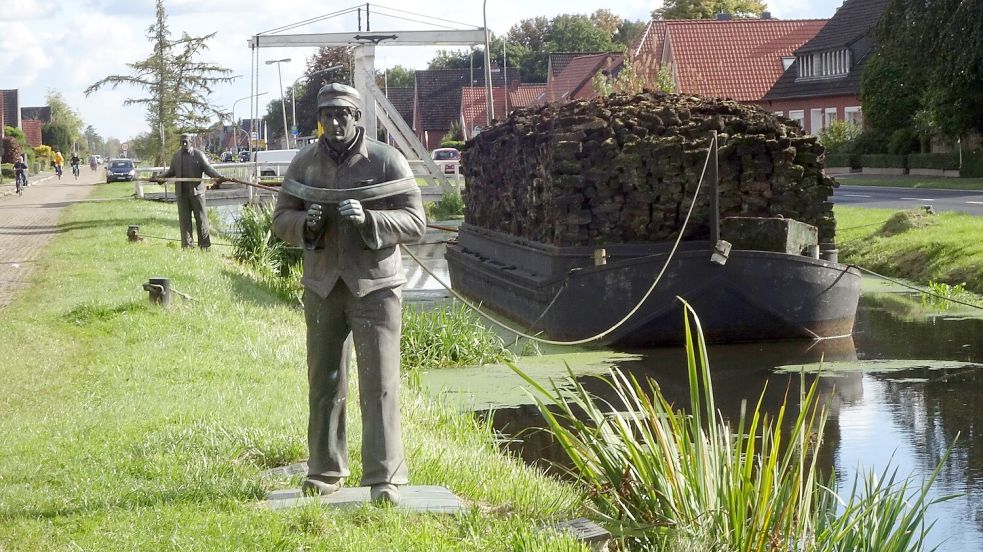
(66, 45)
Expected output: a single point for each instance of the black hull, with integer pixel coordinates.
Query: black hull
(756, 295)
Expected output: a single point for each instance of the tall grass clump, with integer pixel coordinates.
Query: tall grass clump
(666, 479)
(450, 205)
(274, 263)
(448, 336)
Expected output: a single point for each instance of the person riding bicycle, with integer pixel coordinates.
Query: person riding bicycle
(75, 164)
(20, 175)
(58, 160)
(92, 162)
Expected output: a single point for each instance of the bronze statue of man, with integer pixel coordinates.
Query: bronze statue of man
(189, 162)
(350, 200)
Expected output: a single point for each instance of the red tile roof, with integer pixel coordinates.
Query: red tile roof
(574, 80)
(738, 59)
(474, 107)
(525, 95)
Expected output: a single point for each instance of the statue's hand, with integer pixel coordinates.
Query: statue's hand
(315, 217)
(351, 210)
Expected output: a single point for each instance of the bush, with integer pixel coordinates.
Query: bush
(838, 160)
(458, 144)
(903, 141)
(7, 170)
(11, 149)
(945, 161)
(869, 141)
(450, 205)
(883, 160)
(839, 136)
(972, 165)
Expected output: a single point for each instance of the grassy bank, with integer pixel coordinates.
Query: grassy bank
(944, 247)
(909, 181)
(127, 427)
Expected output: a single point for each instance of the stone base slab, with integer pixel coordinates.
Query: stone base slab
(419, 498)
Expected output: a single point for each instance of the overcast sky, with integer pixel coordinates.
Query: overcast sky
(66, 45)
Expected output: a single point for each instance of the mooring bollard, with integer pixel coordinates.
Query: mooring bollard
(600, 257)
(133, 233)
(160, 291)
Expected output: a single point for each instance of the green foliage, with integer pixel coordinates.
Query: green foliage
(945, 161)
(941, 294)
(57, 136)
(708, 9)
(317, 76)
(11, 148)
(455, 134)
(690, 480)
(972, 164)
(447, 143)
(277, 265)
(883, 160)
(450, 205)
(177, 86)
(397, 77)
(903, 141)
(841, 160)
(838, 137)
(448, 336)
(65, 128)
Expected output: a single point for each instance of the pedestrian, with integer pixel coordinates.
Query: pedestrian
(189, 162)
(350, 200)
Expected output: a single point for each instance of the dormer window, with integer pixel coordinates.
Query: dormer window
(824, 65)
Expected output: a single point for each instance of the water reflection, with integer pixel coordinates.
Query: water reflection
(906, 413)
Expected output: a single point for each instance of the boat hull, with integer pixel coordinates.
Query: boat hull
(755, 295)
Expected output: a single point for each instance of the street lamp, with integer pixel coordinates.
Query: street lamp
(489, 106)
(235, 126)
(293, 96)
(283, 105)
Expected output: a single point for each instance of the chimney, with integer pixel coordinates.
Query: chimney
(766, 15)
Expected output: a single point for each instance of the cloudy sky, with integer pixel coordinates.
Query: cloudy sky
(66, 45)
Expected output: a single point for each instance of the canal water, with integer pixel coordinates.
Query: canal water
(900, 391)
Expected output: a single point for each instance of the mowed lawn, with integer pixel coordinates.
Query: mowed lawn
(125, 426)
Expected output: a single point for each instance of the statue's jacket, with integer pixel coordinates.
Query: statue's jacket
(366, 258)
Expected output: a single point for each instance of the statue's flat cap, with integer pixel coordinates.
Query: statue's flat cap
(338, 95)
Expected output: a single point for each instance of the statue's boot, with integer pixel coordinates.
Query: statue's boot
(320, 485)
(385, 493)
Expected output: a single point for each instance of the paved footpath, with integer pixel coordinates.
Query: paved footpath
(29, 221)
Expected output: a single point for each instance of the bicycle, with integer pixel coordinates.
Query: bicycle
(21, 182)
(58, 170)
(75, 170)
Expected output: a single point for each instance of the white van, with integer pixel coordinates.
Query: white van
(271, 163)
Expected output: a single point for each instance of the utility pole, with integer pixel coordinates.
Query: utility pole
(283, 103)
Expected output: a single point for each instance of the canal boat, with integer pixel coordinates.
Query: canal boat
(572, 293)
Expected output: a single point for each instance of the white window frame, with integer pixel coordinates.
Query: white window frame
(798, 115)
(853, 114)
(815, 120)
(829, 116)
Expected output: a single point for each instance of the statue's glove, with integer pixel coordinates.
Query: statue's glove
(351, 210)
(315, 217)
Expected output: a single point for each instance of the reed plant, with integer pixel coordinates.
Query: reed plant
(667, 479)
(450, 205)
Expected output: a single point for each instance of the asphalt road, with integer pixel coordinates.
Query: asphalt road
(970, 202)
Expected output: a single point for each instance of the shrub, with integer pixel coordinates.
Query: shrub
(255, 243)
(903, 141)
(838, 160)
(883, 160)
(450, 205)
(946, 161)
(839, 136)
(869, 141)
(448, 336)
(11, 149)
(972, 165)
(458, 144)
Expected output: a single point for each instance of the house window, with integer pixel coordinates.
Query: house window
(779, 113)
(854, 115)
(815, 121)
(830, 117)
(798, 115)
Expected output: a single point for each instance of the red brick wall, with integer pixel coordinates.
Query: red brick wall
(806, 105)
(32, 131)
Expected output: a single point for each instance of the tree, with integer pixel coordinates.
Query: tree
(316, 76)
(397, 77)
(628, 32)
(93, 142)
(65, 128)
(177, 85)
(708, 9)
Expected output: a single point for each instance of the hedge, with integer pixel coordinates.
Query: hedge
(7, 170)
(972, 165)
(945, 161)
(851, 160)
(883, 160)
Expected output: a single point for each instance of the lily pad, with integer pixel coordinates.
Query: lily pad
(884, 366)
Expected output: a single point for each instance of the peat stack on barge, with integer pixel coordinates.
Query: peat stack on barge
(571, 211)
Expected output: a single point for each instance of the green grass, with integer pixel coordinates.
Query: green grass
(130, 427)
(908, 181)
(944, 248)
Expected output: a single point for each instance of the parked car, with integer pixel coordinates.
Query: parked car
(274, 162)
(447, 154)
(244, 156)
(226, 157)
(120, 170)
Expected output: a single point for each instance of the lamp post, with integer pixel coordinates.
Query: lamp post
(283, 104)
(235, 125)
(293, 97)
(489, 106)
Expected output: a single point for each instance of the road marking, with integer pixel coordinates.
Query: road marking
(975, 202)
(917, 198)
(855, 195)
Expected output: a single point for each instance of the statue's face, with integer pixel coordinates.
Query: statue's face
(186, 144)
(338, 123)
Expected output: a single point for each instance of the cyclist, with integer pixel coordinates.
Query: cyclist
(92, 162)
(20, 175)
(58, 160)
(75, 164)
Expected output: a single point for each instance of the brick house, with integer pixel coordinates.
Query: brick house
(32, 131)
(823, 83)
(11, 108)
(573, 78)
(474, 108)
(437, 100)
(739, 59)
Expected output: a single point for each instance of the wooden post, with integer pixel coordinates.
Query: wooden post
(159, 289)
(713, 178)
